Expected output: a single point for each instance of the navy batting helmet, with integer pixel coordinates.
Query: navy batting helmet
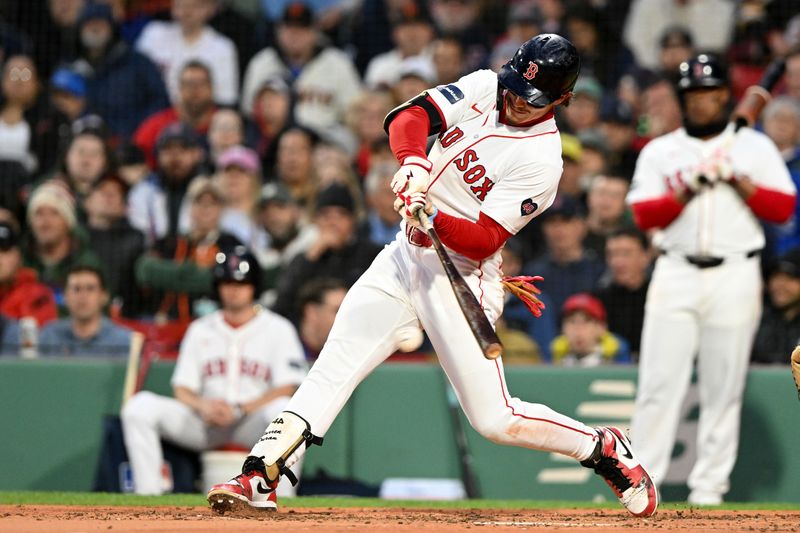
(238, 265)
(700, 72)
(542, 70)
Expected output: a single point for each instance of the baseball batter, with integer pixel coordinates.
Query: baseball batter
(704, 186)
(228, 386)
(494, 166)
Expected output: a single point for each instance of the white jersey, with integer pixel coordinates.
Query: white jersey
(163, 43)
(481, 165)
(240, 364)
(716, 222)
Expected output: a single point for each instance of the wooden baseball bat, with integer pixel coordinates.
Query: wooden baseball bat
(758, 96)
(473, 312)
(132, 368)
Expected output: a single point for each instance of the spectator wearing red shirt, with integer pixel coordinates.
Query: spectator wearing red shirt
(195, 107)
(21, 294)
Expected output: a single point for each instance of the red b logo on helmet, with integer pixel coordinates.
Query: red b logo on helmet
(533, 68)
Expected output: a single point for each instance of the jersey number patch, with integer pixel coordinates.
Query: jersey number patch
(473, 173)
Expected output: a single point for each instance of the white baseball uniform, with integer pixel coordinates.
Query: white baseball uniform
(479, 165)
(216, 360)
(710, 312)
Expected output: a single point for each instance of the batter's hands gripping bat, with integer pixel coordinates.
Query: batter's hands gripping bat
(473, 312)
(796, 369)
(749, 108)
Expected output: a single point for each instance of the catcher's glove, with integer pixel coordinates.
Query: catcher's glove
(796, 368)
(525, 290)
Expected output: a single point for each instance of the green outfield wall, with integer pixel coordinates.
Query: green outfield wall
(397, 425)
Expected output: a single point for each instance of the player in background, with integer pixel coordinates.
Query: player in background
(495, 165)
(236, 370)
(704, 187)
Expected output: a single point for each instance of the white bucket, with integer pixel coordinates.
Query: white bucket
(220, 466)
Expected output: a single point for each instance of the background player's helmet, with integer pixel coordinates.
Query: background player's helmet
(239, 265)
(702, 71)
(542, 70)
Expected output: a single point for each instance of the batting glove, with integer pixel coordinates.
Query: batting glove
(408, 205)
(413, 176)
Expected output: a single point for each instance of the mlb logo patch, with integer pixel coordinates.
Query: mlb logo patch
(451, 92)
(528, 207)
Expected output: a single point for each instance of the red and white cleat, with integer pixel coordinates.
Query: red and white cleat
(248, 493)
(614, 460)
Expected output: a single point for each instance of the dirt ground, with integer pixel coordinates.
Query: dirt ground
(63, 519)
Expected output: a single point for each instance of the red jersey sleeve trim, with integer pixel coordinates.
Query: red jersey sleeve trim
(656, 213)
(408, 133)
(476, 240)
(772, 205)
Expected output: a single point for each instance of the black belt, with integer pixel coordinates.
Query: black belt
(710, 261)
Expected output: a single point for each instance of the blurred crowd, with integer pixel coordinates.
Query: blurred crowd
(139, 138)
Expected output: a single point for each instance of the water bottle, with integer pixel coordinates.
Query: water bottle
(28, 338)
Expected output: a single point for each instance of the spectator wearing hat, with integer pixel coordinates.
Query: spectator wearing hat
(618, 127)
(624, 287)
(188, 37)
(86, 332)
(338, 252)
(56, 242)
(131, 163)
(68, 93)
(318, 302)
(178, 271)
(122, 86)
(412, 35)
(114, 240)
(240, 181)
(570, 183)
(29, 126)
(607, 210)
(594, 158)
(157, 205)
(288, 235)
(674, 47)
(21, 294)
(273, 112)
(323, 77)
(585, 340)
(779, 330)
(567, 266)
(194, 106)
(583, 112)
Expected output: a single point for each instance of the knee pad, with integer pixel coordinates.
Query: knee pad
(281, 440)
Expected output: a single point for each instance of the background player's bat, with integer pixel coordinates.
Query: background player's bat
(132, 368)
(476, 318)
(465, 459)
(758, 96)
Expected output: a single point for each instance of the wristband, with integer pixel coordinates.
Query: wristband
(433, 215)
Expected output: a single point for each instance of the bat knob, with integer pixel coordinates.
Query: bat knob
(494, 350)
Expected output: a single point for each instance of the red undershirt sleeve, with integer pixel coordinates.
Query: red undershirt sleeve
(772, 205)
(476, 240)
(408, 133)
(656, 213)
